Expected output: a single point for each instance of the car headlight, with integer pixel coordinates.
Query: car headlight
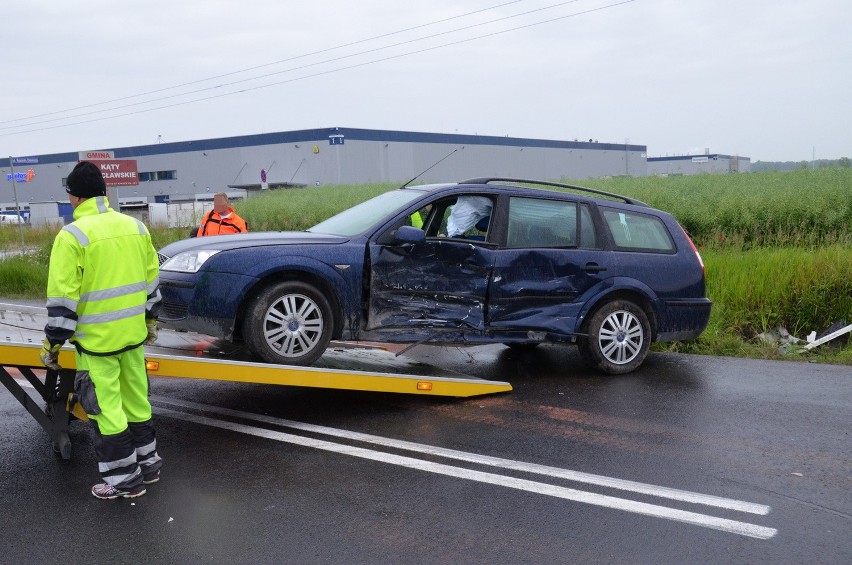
(188, 261)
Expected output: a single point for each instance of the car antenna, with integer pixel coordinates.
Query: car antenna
(424, 171)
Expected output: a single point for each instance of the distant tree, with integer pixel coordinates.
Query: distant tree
(760, 166)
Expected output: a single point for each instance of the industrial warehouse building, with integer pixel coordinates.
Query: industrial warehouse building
(192, 171)
(711, 163)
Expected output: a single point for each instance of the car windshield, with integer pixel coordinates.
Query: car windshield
(359, 218)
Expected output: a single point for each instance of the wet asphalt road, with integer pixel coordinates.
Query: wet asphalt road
(726, 461)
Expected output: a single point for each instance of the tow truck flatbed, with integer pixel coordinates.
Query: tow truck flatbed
(345, 366)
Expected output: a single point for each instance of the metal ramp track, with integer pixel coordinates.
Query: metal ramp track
(193, 356)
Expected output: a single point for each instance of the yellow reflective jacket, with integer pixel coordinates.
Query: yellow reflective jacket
(103, 281)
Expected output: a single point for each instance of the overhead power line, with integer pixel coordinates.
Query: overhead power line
(317, 74)
(280, 61)
(292, 69)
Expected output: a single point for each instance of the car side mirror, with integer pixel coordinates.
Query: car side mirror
(409, 234)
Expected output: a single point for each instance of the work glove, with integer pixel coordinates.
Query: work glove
(152, 331)
(49, 355)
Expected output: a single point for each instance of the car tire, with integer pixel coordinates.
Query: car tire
(289, 323)
(619, 337)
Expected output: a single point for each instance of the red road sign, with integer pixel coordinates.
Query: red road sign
(119, 172)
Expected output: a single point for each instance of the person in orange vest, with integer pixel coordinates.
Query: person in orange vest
(222, 219)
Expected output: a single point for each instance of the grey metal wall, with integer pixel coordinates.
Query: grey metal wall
(365, 156)
(368, 161)
(686, 165)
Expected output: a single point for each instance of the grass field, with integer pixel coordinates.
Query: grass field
(803, 208)
(777, 247)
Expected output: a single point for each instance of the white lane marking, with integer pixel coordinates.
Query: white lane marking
(23, 382)
(722, 524)
(576, 476)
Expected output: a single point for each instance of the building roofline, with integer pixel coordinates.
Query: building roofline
(322, 134)
(691, 157)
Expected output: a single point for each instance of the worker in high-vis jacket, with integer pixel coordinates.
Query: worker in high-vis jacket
(221, 220)
(103, 296)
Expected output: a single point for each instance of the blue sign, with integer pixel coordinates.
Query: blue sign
(335, 139)
(19, 177)
(25, 160)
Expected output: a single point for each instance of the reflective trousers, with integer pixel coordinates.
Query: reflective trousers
(113, 390)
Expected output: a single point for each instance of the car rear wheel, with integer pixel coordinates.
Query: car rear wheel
(289, 323)
(619, 337)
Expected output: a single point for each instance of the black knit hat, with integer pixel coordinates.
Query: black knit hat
(85, 181)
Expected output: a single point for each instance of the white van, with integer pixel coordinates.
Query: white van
(11, 218)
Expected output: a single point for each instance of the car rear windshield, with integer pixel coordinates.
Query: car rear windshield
(362, 217)
(638, 232)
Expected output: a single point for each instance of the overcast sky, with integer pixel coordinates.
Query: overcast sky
(766, 79)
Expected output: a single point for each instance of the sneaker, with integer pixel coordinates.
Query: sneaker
(152, 478)
(109, 492)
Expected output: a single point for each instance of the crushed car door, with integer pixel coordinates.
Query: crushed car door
(439, 283)
(550, 258)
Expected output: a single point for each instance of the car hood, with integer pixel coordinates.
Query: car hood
(252, 239)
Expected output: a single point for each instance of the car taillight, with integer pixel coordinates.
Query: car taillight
(692, 245)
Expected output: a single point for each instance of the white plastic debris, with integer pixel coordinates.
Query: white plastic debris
(813, 342)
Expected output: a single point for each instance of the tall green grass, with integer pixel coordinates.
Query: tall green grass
(808, 209)
(758, 290)
(25, 276)
(299, 209)
(803, 208)
(10, 237)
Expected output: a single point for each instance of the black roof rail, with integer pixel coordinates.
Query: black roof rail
(627, 200)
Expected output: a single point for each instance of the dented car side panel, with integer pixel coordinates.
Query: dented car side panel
(538, 289)
(434, 284)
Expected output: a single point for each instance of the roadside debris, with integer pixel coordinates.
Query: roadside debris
(837, 334)
(782, 338)
(837, 331)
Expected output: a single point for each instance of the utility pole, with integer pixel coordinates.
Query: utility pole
(17, 206)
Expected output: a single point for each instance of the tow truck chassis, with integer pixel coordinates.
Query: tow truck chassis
(182, 355)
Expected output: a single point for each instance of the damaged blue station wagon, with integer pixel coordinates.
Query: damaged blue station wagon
(485, 260)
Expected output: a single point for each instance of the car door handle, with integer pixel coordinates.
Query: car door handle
(593, 268)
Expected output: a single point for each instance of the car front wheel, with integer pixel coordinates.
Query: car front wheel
(619, 337)
(289, 323)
